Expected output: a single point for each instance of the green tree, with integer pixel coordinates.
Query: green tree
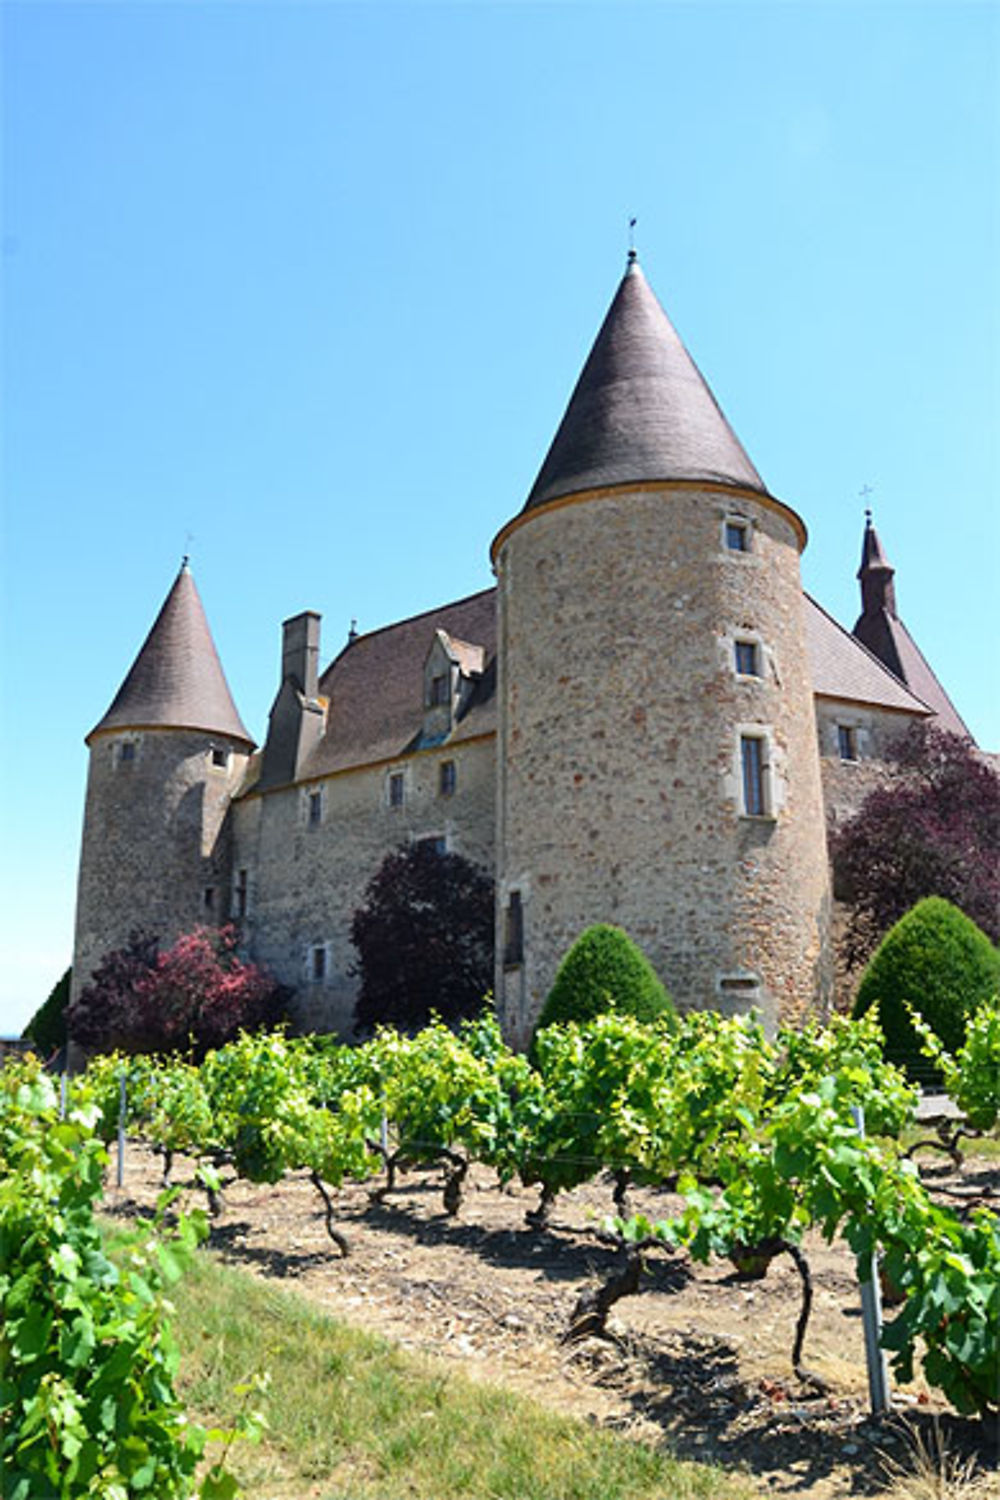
(939, 961)
(47, 1027)
(605, 970)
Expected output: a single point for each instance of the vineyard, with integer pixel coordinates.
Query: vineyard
(759, 1146)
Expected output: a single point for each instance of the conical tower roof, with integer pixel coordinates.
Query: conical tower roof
(640, 410)
(177, 681)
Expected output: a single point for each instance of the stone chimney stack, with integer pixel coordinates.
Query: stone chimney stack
(298, 718)
(300, 652)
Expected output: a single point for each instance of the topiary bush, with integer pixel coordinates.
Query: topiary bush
(47, 1027)
(604, 970)
(938, 960)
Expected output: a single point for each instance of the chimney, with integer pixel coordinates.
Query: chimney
(297, 717)
(300, 652)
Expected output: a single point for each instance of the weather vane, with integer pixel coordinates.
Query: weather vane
(864, 492)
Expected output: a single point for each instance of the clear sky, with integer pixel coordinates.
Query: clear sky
(302, 289)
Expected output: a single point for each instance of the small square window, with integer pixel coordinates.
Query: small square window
(318, 963)
(738, 535)
(747, 659)
(220, 758)
(847, 742)
(439, 690)
(240, 894)
(753, 769)
(126, 750)
(315, 809)
(396, 789)
(446, 778)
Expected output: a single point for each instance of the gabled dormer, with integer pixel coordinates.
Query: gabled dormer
(451, 670)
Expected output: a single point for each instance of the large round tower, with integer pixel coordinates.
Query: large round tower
(657, 756)
(164, 762)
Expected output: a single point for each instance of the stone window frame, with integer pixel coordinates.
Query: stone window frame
(513, 930)
(733, 522)
(747, 639)
(214, 762)
(318, 963)
(314, 806)
(762, 772)
(395, 780)
(125, 752)
(739, 983)
(447, 778)
(846, 735)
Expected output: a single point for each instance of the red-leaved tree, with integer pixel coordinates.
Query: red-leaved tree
(935, 831)
(424, 938)
(195, 995)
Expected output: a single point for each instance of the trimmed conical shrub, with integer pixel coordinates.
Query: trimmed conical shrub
(939, 961)
(604, 970)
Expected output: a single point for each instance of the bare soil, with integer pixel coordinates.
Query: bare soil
(697, 1359)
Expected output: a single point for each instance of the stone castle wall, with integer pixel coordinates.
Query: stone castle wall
(155, 838)
(306, 880)
(619, 749)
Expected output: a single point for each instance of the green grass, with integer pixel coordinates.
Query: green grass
(352, 1417)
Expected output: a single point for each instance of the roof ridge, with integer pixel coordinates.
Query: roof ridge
(877, 660)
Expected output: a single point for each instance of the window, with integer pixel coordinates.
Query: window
(439, 690)
(126, 751)
(396, 789)
(436, 841)
(220, 758)
(317, 963)
(747, 659)
(240, 894)
(513, 937)
(737, 534)
(753, 767)
(210, 898)
(315, 809)
(446, 778)
(847, 742)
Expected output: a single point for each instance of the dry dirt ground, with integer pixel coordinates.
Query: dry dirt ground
(697, 1358)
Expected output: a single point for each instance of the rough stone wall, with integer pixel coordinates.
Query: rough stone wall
(155, 838)
(847, 783)
(306, 880)
(619, 759)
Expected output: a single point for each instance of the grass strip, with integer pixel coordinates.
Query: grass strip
(353, 1417)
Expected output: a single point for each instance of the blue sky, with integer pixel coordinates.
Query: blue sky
(302, 289)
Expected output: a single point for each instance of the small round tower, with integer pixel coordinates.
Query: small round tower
(657, 756)
(165, 761)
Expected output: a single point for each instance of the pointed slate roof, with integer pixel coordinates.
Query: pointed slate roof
(880, 629)
(176, 681)
(640, 410)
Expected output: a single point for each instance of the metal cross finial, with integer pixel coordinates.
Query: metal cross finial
(631, 239)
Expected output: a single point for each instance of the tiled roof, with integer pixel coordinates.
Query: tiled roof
(640, 410)
(177, 681)
(887, 636)
(844, 668)
(375, 687)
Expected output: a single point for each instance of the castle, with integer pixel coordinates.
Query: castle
(646, 721)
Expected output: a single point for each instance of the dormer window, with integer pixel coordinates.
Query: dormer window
(439, 690)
